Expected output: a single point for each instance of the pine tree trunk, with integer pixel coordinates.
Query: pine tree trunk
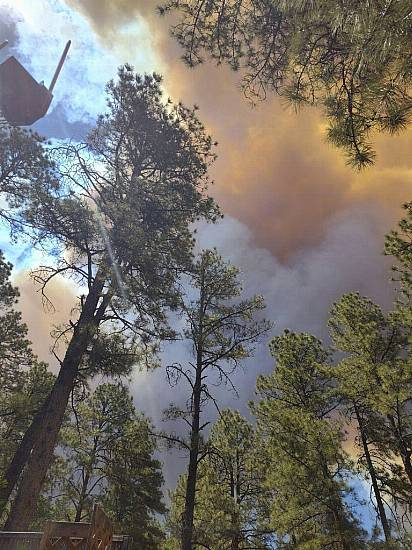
(374, 480)
(405, 453)
(234, 493)
(188, 515)
(42, 453)
(189, 511)
(82, 498)
(235, 543)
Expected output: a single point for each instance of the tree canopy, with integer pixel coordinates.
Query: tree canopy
(119, 223)
(350, 58)
(328, 437)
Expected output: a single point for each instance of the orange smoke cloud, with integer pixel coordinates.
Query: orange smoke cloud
(42, 320)
(275, 172)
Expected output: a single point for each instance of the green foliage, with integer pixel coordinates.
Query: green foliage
(113, 355)
(308, 470)
(398, 245)
(19, 404)
(100, 420)
(351, 58)
(134, 497)
(374, 382)
(25, 170)
(106, 455)
(230, 497)
(24, 381)
(22, 378)
(15, 349)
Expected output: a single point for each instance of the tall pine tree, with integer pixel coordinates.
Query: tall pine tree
(308, 469)
(231, 500)
(222, 330)
(122, 216)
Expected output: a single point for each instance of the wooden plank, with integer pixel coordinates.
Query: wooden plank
(64, 535)
(12, 540)
(38, 535)
(101, 531)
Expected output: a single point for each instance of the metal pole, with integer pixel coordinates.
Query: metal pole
(59, 66)
(4, 44)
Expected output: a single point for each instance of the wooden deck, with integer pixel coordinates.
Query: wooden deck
(69, 535)
(31, 541)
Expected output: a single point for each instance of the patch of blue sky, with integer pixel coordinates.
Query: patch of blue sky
(18, 253)
(21, 253)
(44, 27)
(361, 503)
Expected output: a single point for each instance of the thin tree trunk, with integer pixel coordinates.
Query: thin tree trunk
(82, 498)
(86, 479)
(42, 453)
(235, 538)
(188, 515)
(189, 511)
(235, 490)
(374, 479)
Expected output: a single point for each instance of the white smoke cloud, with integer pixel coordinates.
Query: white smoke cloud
(298, 296)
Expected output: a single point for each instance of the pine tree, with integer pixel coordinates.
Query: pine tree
(233, 484)
(308, 470)
(119, 224)
(100, 420)
(222, 331)
(24, 381)
(134, 491)
(106, 455)
(230, 497)
(374, 382)
(351, 58)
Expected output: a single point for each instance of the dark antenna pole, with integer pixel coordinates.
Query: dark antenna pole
(59, 66)
(3, 44)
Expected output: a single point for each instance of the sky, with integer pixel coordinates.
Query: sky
(301, 225)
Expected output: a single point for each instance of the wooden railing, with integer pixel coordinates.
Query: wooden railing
(64, 535)
(31, 541)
